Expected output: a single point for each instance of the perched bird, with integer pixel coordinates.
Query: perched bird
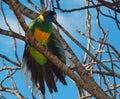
(35, 65)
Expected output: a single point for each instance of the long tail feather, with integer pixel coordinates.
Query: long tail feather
(49, 77)
(41, 74)
(41, 80)
(59, 75)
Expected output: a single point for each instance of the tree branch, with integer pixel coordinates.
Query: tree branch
(24, 10)
(12, 34)
(9, 60)
(15, 92)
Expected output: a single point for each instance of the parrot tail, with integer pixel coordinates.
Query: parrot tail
(39, 74)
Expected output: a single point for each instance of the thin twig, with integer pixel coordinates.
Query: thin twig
(9, 60)
(15, 51)
(77, 9)
(88, 26)
(112, 66)
(9, 68)
(8, 76)
(12, 91)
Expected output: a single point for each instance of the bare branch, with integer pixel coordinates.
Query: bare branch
(9, 60)
(9, 68)
(24, 10)
(12, 34)
(110, 5)
(12, 91)
(15, 50)
(99, 41)
(88, 26)
(77, 9)
(42, 2)
(34, 6)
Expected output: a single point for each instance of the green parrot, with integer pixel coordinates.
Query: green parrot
(35, 65)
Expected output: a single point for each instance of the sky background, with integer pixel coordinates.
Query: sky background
(72, 22)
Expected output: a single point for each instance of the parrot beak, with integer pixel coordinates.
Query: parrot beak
(54, 19)
(55, 16)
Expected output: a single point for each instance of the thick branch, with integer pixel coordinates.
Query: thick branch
(12, 34)
(24, 10)
(110, 5)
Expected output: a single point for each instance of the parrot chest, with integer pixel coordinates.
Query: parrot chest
(43, 38)
(40, 35)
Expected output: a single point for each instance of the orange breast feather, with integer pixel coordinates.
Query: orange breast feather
(41, 36)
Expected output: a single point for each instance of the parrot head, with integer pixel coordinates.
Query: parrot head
(49, 16)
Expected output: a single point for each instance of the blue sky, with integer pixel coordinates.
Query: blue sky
(72, 22)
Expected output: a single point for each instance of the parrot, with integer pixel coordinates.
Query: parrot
(36, 66)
